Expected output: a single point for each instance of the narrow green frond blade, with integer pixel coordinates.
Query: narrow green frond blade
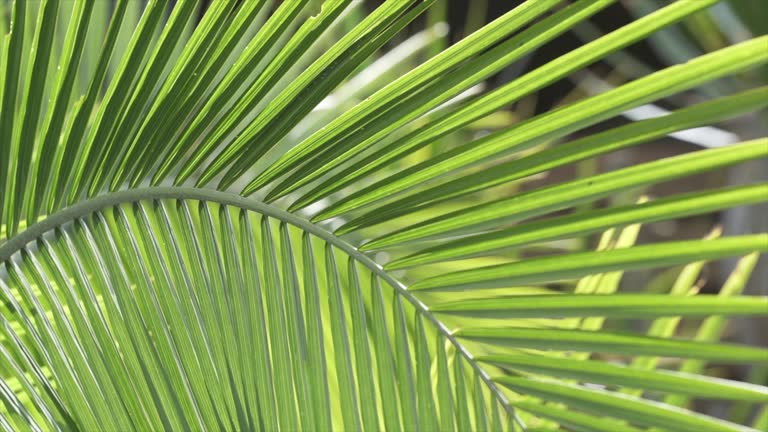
(385, 361)
(111, 151)
(463, 419)
(295, 326)
(761, 419)
(580, 149)
(57, 352)
(443, 387)
(567, 194)
(35, 341)
(609, 306)
(137, 330)
(30, 111)
(14, 41)
(214, 39)
(314, 94)
(363, 365)
(665, 327)
(70, 263)
(112, 106)
(584, 223)
(614, 343)
(247, 412)
(478, 400)
(43, 170)
(575, 420)
(219, 306)
(575, 265)
(599, 372)
(318, 381)
(174, 390)
(637, 411)
(405, 372)
(262, 361)
(189, 313)
(299, 43)
(158, 295)
(607, 283)
(72, 139)
(425, 398)
(281, 355)
(341, 346)
(712, 328)
(13, 405)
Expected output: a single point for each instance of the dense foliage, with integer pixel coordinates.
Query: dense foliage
(247, 216)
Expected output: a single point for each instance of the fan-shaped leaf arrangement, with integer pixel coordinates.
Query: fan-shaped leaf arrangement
(194, 212)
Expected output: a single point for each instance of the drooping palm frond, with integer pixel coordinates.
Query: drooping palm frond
(195, 215)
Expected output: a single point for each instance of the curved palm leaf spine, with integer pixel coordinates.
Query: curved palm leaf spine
(154, 220)
(121, 306)
(145, 220)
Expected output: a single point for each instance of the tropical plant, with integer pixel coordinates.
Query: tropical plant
(244, 217)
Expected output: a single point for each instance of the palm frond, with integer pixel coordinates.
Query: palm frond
(215, 219)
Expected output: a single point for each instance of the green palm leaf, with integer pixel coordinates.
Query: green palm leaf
(207, 223)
